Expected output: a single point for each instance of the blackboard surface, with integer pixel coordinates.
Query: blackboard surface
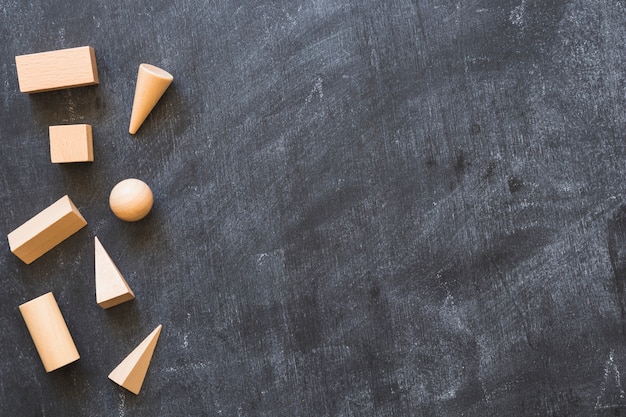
(362, 208)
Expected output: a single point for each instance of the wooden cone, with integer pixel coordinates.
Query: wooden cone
(131, 372)
(111, 287)
(151, 84)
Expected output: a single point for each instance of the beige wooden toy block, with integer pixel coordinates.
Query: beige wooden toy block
(50, 334)
(55, 70)
(46, 230)
(71, 143)
(111, 287)
(151, 84)
(131, 372)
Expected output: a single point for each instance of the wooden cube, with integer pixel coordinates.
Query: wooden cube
(71, 143)
(46, 230)
(55, 70)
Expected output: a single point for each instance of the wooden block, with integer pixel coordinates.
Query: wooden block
(46, 230)
(50, 334)
(71, 143)
(131, 372)
(111, 287)
(151, 84)
(55, 70)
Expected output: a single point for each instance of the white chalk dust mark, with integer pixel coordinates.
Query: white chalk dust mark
(62, 37)
(611, 392)
(516, 16)
(187, 367)
(317, 89)
(278, 254)
(122, 411)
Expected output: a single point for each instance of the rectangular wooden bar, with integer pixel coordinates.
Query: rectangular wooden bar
(55, 70)
(49, 331)
(46, 230)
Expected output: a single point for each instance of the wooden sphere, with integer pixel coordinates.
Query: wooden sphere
(131, 200)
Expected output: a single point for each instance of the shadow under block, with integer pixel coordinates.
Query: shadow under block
(111, 287)
(151, 84)
(131, 372)
(46, 230)
(71, 143)
(49, 331)
(56, 70)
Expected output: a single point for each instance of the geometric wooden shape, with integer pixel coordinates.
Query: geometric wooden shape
(111, 287)
(151, 84)
(71, 143)
(131, 200)
(55, 70)
(46, 230)
(131, 372)
(50, 334)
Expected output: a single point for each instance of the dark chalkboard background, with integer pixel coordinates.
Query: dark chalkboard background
(363, 208)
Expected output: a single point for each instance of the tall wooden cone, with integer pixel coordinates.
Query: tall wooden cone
(151, 84)
(132, 371)
(111, 287)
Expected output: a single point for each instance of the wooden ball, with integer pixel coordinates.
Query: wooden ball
(131, 200)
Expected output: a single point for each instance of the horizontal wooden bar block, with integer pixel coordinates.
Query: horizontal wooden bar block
(56, 70)
(46, 230)
(49, 331)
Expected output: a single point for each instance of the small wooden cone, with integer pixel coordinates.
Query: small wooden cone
(131, 372)
(111, 287)
(151, 84)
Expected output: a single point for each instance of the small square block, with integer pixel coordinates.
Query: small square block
(71, 143)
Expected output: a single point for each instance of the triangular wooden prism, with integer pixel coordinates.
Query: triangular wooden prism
(111, 287)
(132, 371)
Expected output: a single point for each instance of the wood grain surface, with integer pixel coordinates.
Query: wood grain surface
(361, 208)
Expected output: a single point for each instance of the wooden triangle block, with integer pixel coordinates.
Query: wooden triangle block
(111, 287)
(131, 372)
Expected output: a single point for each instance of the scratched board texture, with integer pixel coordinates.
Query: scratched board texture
(362, 208)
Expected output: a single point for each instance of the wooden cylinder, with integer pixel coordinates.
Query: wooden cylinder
(49, 332)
